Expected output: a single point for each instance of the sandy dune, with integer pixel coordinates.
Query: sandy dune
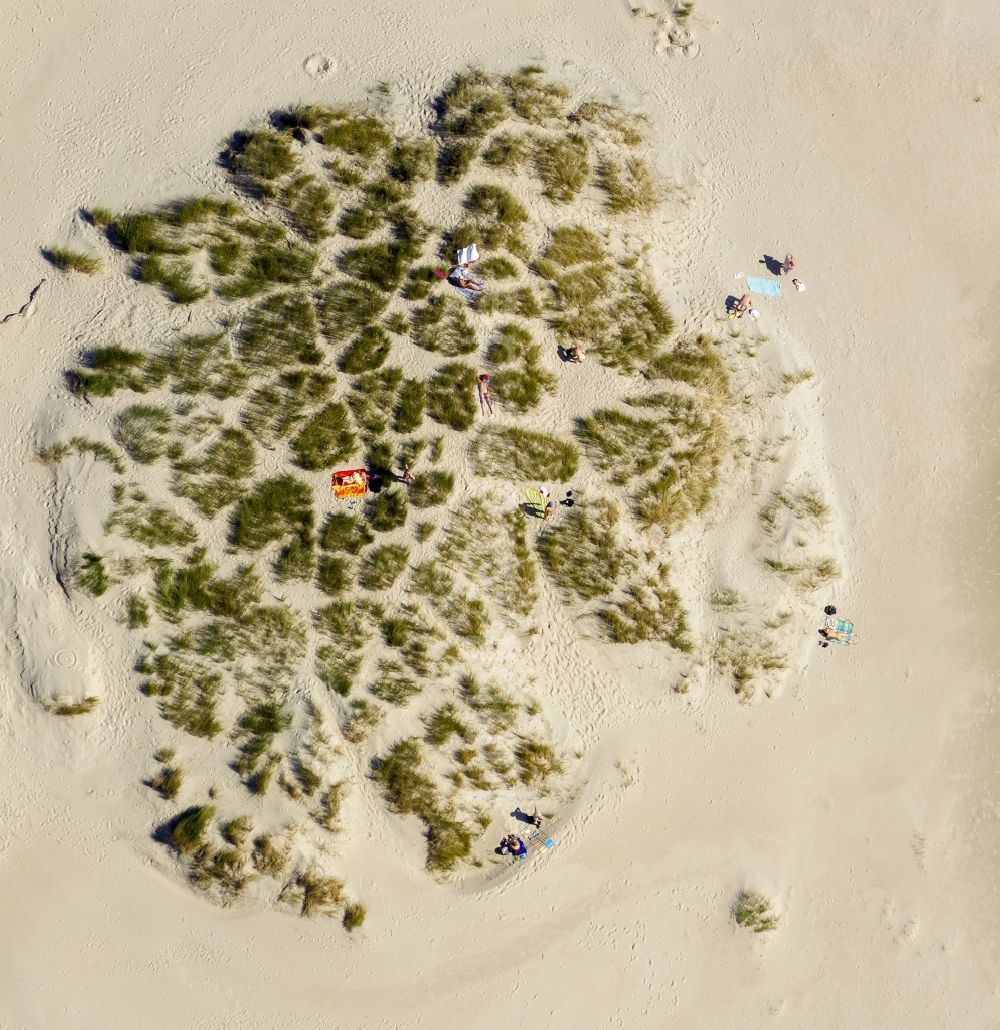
(861, 795)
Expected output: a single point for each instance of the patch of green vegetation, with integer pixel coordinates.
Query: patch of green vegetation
(498, 267)
(651, 610)
(283, 262)
(473, 104)
(534, 99)
(262, 720)
(216, 479)
(276, 408)
(196, 364)
(696, 362)
(189, 693)
(383, 566)
(91, 574)
(72, 708)
(498, 216)
(136, 611)
(168, 781)
(441, 326)
(176, 277)
(393, 685)
(151, 524)
(264, 155)
(629, 186)
(520, 454)
(144, 432)
(373, 398)
(622, 445)
(387, 510)
(563, 165)
(444, 723)
(497, 709)
(270, 858)
(431, 488)
(537, 761)
(752, 910)
(467, 617)
(326, 439)
(362, 136)
(187, 830)
(583, 554)
(280, 331)
(747, 655)
(451, 397)
(67, 260)
(522, 301)
(574, 245)
(508, 151)
(685, 488)
(81, 445)
(275, 508)
(224, 253)
(383, 265)
(413, 160)
(354, 915)
(237, 831)
(309, 204)
(455, 159)
(617, 124)
(296, 559)
(347, 306)
(363, 719)
(410, 404)
(368, 351)
(194, 585)
(410, 791)
(109, 369)
(344, 532)
(314, 893)
(804, 503)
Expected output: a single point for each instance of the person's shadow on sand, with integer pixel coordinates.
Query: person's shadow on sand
(522, 817)
(772, 264)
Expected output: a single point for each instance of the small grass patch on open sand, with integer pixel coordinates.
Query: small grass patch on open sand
(522, 455)
(68, 260)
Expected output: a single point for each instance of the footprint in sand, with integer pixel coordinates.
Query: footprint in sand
(319, 66)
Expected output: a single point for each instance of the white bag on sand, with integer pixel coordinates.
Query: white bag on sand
(467, 255)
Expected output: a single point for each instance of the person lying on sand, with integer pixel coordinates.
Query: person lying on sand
(575, 353)
(485, 401)
(462, 278)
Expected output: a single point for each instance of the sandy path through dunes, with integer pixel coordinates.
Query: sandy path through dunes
(861, 796)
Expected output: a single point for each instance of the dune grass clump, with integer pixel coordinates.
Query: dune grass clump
(151, 524)
(697, 362)
(326, 439)
(195, 586)
(216, 479)
(363, 719)
(354, 915)
(168, 781)
(275, 508)
(441, 326)
(498, 267)
(91, 574)
(472, 105)
(344, 532)
(280, 331)
(136, 611)
(573, 245)
(444, 723)
(618, 125)
(563, 165)
(804, 503)
(533, 98)
(497, 709)
(410, 404)
(430, 489)
(176, 277)
(629, 186)
(748, 655)
(187, 831)
(81, 445)
(383, 265)
(283, 262)
(197, 363)
(264, 156)
(387, 510)
(106, 370)
(72, 708)
(583, 554)
(189, 693)
(144, 432)
(334, 575)
(67, 260)
(383, 566)
(753, 911)
(274, 410)
(684, 488)
(411, 792)
(451, 396)
(348, 306)
(455, 159)
(622, 445)
(368, 351)
(392, 685)
(537, 761)
(651, 610)
(309, 204)
(508, 151)
(362, 136)
(413, 160)
(269, 857)
(498, 216)
(520, 454)
(519, 387)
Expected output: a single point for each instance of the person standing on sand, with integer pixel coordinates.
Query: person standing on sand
(407, 475)
(485, 401)
(789, 265)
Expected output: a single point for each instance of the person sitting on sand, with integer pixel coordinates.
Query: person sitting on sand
(462, 278)
(743, 305)
(550, 510)
(575, 353)
(536, 818)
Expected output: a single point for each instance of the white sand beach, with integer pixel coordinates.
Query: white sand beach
(857, 789)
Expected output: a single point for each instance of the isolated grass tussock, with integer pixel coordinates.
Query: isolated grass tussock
(68, 260)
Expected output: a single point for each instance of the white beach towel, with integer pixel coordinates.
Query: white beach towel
(467, 255)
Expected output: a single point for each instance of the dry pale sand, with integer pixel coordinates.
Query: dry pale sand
(862, 795)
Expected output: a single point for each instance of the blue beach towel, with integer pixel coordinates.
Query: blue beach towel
(767, 287)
